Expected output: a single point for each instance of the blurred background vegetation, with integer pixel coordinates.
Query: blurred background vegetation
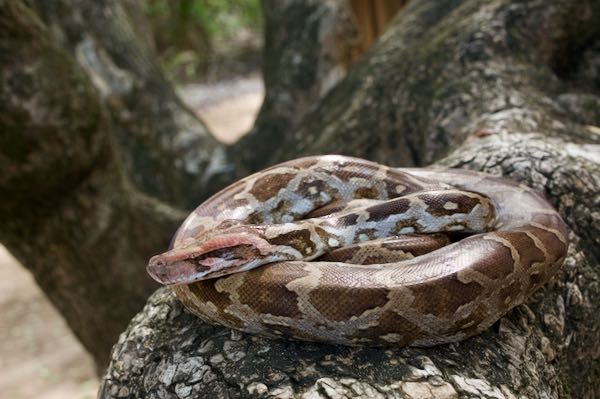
(205, 40)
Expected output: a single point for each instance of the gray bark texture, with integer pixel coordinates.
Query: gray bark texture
(307, 51)
(510, 88)
(166, 150)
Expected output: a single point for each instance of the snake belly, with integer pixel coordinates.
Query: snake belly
(445, 295)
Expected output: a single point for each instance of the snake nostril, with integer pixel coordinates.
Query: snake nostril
(156, 265)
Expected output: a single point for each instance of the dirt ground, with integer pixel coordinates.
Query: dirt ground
(228, 108)
(39, 356)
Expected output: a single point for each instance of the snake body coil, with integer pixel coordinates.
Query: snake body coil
(347, 261)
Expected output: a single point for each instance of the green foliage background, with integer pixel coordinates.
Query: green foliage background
(189, 36)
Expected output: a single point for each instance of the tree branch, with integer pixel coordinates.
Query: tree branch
(445, 70)
(68, 212)
(307, 51)
(541, 349)
(167, 151)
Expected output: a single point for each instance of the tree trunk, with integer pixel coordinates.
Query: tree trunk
(166, 149)
(446, 70)
(68, 212)
(504, 87)
(547, 348)
(308, 49)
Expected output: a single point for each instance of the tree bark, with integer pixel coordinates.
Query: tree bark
(68, 212)
(445, 70)
(167, 151)
(504, 87)
(547, 348)
(308, 49)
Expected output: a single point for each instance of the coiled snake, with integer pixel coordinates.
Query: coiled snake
(349, 260)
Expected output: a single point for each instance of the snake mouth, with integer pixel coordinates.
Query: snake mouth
(203, 266)
(213, 258)
(175, 272)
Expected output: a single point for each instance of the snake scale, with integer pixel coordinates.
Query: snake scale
(343, 250)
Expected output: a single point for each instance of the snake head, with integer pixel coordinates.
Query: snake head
(229, 252)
